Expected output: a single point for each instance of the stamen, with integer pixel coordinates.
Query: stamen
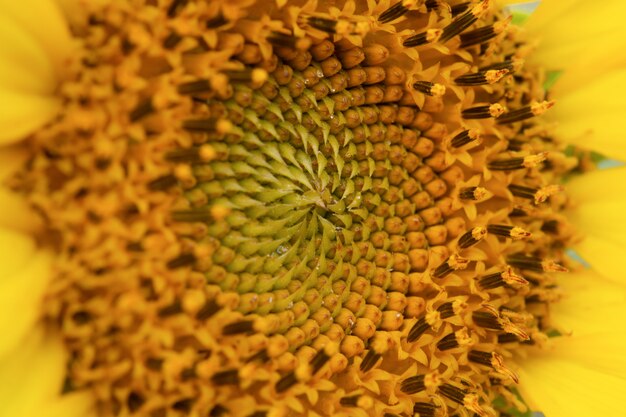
(256, 76)
(424, 409)
(504, 230)
(230, 377)
(533, 263)
(484, 34)
(244, 326)
(430, 35)
(512, 164)
(207, 125)
(526, 112)
(396, 11)
(163, 183)
(499, 279)
(544, 193)
(457, 9)
(483, 112)
(286, 382)
(195, 87)
(172, 40)
(194, 155)
(360, 401)
(175, 7)
(418, 329)
(453, 393)
(472, 237)
(449, 309)
(430, 89)
(288, 41)
(454, 340)
(453, 263)
(143, 109)
(464, 138)
(464, 21)
(370, 359)
(217, 21)
(182, 260)
(208, 310)
(480, 78)
(413, 385)
(472, 193)
(512, 65)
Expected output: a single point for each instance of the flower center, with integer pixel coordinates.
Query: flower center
(297, 210)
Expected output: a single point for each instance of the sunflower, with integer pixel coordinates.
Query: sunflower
(285, 208)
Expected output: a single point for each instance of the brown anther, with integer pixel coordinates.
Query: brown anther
(512, 232)
(464, 138)
(429, 88)
(483, 112)
(453, 263)
(472, 237)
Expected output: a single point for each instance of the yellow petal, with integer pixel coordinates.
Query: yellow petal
(22, 113)
(15, 213)
(605, 256)
(16, 249)
(589, 304)
(45, 22)
(576, 37)
(598, 185)
(561, 387)
(20, 299)
(24, 65)
(31, 378)
(589, 117)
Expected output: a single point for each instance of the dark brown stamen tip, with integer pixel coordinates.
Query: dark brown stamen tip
(424, 409)
(459, 25)
(207, 310)
(486, 320)
(482, 358)
(394, 12)
(171, 40)
(175, 7)
(457, 9)
(413, 385)
(448, 342)
(244, 326)
(218, 411)
(523, 192)
(286, 382)
(230, 377)
(182, 260)
(171, 310)
(472, 237)
(481, 78)
(483, 112)
(323, 24)
(318, 361)
(509, 231)
(464, 138)
(163, 183)
(512, 164)
(194, 87)
(453, 393)
(417, 330)
(191, 216)
(370, 359)
(144, 108)
(477, 36)
(453, 263)
(288, 41)
(216, 21)
(429, 88)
